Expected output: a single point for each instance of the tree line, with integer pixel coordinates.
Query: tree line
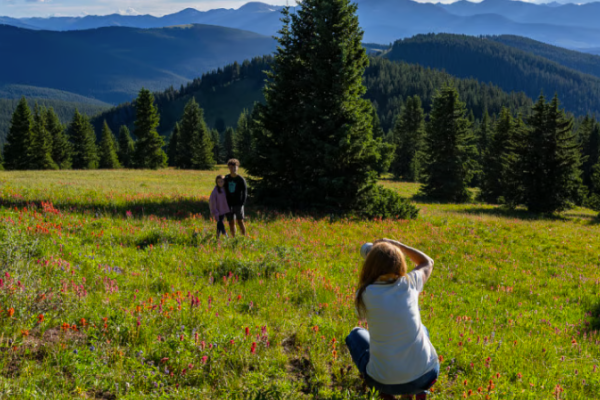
(37, 140)
(538, 161)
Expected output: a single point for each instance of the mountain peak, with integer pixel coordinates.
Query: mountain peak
(256, 6)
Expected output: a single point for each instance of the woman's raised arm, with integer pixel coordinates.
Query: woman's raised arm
(423, 261)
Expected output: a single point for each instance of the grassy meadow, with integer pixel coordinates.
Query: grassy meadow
(113, 286)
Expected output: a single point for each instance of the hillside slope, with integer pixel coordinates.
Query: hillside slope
(224, 94)
(509, 68)
(582, 62)
(112, 64)
(64, 109)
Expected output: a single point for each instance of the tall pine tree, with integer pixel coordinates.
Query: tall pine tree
(228, 152)
(591, 150)
(61, 148)
(494, 161)
(42, 142)
(126, 148)
(552, 175)
(83, 142)
(243, 140)
(409, 132)
(194, 146)
(19, 141)
(312, 140)
(108, 149)
(450, 150)
(148, 153)
(172, 147)
(216, 140)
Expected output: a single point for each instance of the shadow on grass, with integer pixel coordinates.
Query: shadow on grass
(169, 208)
(525, 215)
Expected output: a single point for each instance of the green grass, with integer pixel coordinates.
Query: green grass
(513, 298)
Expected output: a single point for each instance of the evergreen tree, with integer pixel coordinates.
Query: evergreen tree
(552, 175)
(83, 142)
(409, 132)
(591, 151)
(1, 159)
(312, 141)
(172, 148)
(148, 151)
(513, 162)
(61, 148)
(194, 146)
(216, 140)
(243, 139)
(126, 147)
(450, 151)
(593, 200)
(108, 149)
(228, 152)
(495, 158)
(42, 142)
(19, 141)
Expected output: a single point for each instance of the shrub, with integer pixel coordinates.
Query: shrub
(384, 203)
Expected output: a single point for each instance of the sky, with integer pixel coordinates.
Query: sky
(47, 8)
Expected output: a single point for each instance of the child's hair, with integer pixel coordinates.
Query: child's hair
(233, 161)
(384, 258)
(216, 184)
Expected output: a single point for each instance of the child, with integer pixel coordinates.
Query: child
(237, 193)
(218, 204)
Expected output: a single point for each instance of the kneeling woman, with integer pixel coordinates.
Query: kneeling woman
(395, 356)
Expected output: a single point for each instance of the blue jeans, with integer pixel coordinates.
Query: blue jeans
(358, 342)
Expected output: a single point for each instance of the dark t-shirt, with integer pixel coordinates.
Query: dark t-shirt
(236, 191)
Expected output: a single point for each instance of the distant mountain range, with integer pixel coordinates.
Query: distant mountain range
(509, 67)
(569, 25)
(112, 64)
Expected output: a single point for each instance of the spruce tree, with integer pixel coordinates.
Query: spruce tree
(513, 159)
(494, 160)
(1, 158)
(216, 140)
(83, 142)
(107, 149)
(148, 153)
(552, 175)
(409, 132)
(228, 152)
(172, 147)
(42, 142)
(591, 151)
(593, 200)
(19, 140)
(126, 147)
(450, 150)
(243, 140)
(61, 148)
(194, 146)
(312, 141)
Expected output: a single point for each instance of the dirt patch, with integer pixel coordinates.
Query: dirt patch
(56, 335)
(101, 394)
(289, 343)
(301, 369)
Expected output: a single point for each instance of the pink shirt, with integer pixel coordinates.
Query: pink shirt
(218, 203)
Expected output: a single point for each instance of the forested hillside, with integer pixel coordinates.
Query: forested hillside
(582, 62)
(509, 68)
(113, 64)
(224, 93)
(11, 91)
(63, 109)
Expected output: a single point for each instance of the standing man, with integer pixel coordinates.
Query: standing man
(236, 191)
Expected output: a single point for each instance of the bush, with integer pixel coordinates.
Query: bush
(380, 202)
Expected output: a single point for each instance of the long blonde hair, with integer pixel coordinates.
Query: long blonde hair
(383, 259)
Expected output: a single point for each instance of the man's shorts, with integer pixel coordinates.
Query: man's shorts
(238, 211)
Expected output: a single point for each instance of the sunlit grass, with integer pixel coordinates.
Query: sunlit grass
(512, 307)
